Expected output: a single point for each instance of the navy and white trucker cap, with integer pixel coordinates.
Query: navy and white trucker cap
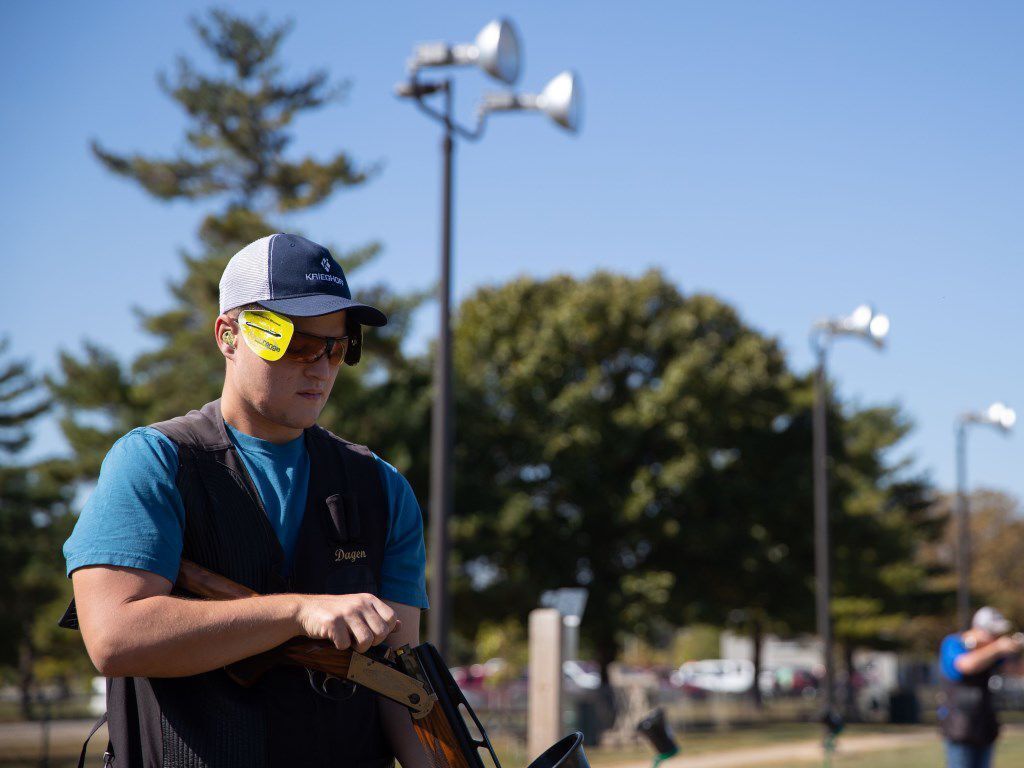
(991, 620)
(294, 276)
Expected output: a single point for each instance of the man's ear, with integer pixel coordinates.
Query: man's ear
(226, 336)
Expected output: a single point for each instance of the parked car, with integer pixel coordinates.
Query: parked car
(716, 675)
(796, 681)
(584, 675)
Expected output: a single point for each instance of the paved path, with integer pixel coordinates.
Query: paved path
(794, 752)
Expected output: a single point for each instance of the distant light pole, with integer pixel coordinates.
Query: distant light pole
(1002, 418)
(864, 323)
(496, 52)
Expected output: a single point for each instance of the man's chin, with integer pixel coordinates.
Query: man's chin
(298, 417)
(305, 416)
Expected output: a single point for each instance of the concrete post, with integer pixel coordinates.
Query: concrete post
(544, 703)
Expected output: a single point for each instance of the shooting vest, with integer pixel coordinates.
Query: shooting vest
(208, 720)
(967, 714)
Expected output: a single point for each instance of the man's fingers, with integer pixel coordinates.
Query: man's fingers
(387, 613)
(340, 637)
(377, 625)
(362, 635)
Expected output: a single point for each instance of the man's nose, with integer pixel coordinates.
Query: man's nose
(320, 370)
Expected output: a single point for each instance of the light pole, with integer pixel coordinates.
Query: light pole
(496, 52)
(1002, 418)
(864, 323)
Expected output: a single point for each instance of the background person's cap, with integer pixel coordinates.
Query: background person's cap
(294, 276)
(990, 620)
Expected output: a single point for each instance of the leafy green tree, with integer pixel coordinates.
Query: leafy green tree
(238, 152)
(613, 433)
(616, 434)
(33, 523)
(880, 517)
(883, 517)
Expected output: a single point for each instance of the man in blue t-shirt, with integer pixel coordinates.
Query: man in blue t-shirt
(280, 366)
(967, 716)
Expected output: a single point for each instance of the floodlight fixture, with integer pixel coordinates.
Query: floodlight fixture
(561, 100)
(864, 321)
(998, 415)
(495, 51)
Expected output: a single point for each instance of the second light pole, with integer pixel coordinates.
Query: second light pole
(866, 324)
(1002, 418)
(496, 52)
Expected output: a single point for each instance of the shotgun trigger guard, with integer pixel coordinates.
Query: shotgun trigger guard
(323, 684)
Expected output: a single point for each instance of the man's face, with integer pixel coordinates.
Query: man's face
(285, 391)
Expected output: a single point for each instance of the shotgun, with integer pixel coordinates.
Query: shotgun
(416, 677)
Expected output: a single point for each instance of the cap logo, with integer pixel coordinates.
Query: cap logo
(322, 276)
(326, 263)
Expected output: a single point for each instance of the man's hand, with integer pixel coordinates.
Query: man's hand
(1010, 645)
(348, 621)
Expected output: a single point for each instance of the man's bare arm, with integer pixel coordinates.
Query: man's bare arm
(981, 659)
(133, 626)
(395, 719)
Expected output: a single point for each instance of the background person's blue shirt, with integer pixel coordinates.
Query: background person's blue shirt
(952, 648)
(135, 516)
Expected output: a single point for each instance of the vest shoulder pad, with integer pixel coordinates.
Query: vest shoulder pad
(196, 429)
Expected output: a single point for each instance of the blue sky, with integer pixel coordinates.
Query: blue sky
(793, 158)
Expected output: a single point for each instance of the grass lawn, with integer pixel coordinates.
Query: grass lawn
(1009, 753)
(929, 754)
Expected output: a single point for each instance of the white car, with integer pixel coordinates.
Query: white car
(717, 675)
(582, 674)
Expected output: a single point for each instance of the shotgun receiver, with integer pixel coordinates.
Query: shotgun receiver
(416, 677)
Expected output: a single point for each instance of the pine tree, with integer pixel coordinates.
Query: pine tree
(33, 523)
(238, 143)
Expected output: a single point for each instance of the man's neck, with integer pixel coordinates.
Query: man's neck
(240, 415)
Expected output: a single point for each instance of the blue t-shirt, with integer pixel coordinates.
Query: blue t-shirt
(135, 516)
(951, 649)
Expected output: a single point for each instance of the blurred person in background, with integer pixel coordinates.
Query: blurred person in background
(252, 488)
(967, 715)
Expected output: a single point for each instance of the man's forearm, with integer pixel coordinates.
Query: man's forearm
(166, 636)
(979, 660)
